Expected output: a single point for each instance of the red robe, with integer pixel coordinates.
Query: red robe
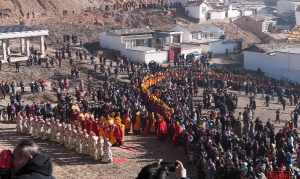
(178, 132)
(162, 128)
(118, 134)
(94, 127)
(86, 125)
(127, 122)
(147, 127)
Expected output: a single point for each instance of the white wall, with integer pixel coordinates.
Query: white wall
(182, 2)
(193, 11)
(220, 47)
(217, 15)
(285, 6)
(198, 12)
(278, 65)
(266, 24)
(186, 35)
(134, 55)
(297, 14)
(159, 57)
(247, 13)
(233, 13)
(191, 50)
(146, 57)
(110, 42)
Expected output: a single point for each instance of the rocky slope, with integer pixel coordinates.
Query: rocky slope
(20, 8)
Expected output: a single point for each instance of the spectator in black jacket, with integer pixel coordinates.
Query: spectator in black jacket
(29, 163)
(161, 169)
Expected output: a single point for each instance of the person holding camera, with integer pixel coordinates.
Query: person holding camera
(30, 163)
(161, 170)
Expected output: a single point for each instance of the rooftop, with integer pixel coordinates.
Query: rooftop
(194, 3)
(262, 18)
(19, 31)
(257, 18)
(247, 5)
(134, 31)
(17, 28)
(278, 36)
(276, 47)
(209, 28)
(297, 2)
(143, 48)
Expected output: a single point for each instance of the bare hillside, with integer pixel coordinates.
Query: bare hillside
(85, 18)
(21, 8)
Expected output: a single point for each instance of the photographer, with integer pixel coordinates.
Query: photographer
(29, 163)
(161, 169)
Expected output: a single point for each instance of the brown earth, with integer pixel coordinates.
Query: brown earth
(87, 18)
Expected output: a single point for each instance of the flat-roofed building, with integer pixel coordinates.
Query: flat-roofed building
(278, 60)
(24, 34)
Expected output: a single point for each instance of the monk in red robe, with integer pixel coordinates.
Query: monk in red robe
(162, 128)
(94, 126)
(87, 125)
(146, 130)
(152, 123)
(119, 130)
(178, 132)
(127, 122)
(118, 135)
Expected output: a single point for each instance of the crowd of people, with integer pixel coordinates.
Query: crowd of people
(224, 145)
(161, 101)
(73, 137)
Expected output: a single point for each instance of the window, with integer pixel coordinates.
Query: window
(140, 42)
(194, 36)
(176, 39)
(128, 43)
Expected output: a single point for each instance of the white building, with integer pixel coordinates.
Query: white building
(287, 7)
(24, 34)
(126, 38)
(147, 55)
(186, 49)
(248, 12)
(257, 25)
(224, 47)
(279, 61)
(140, 45)
(297, 16)
(197, 10)
(202, 38)
(215, 10)
(246, 7)
(233, 13)
(199, 33)
(216, 14)
(180, 2)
